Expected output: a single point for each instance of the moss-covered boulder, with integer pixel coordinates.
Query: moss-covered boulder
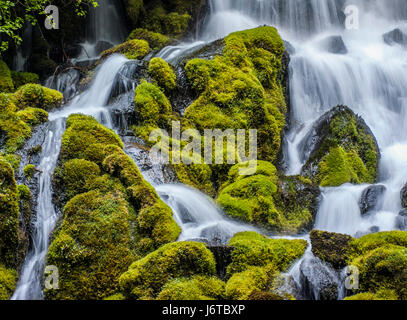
(251, 249)
(22, 78)
(330, 247)
(340, 149)
(132, 49)
(380, 295)
(6, 82)
(8, 282)
(36, 96)
(157, 41)
(286, 205)
(195, 288)
(147, 277)
(163, 74)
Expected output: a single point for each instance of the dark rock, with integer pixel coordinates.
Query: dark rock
(395, 37)
(72, 51)
(223, 257)
(403, 195)
(370, 198)
(401, 220)
(102, 46)
(334, 44)
(330, 247)
(289, 47)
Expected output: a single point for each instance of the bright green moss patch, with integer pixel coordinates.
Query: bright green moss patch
(33, 116)
(8, 282)
(163, 74)
(6, 82)
(146, 277)
(346, 153)
(157, 41)
(22, 78)
(36, 96)
(196, 288)
(283, 205)
(253, 249)
(132, 49)
(380, 295)
(9, 213)
(29, 171)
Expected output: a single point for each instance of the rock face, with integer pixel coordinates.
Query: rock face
(334, 44)
(370, 198)
(395, 37)
(223, 257)
(340, 148)
(401, 221)
(403, 195)
(330, 247)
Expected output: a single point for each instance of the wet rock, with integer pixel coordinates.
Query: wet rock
(223, 257)
(403, 195)
(370, 198)
(395, 37)
(289, 48)
(330, 247)
(73, 50)
(102, 46)
(374, 229)
(401, 220)
(334, 44)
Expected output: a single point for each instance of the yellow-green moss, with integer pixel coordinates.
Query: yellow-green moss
(36, 96)
(22, 78)
(8, 282)
(380, 295)
(157, 41)
(163, 74)
(146, 277)
(253, 249)
(132, 49)
(29, 171)
(33, 116)
(195, 288)
(6, 82)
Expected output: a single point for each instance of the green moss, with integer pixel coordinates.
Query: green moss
(29, 171)
(380, 295)
(253, 249)
(283, 205)
(22, 78)
(132, 49)
(77, 175)
(9, 213)
(36, 96)
(14, 160)
(8, 282)
(6, 82)
(157, 41)
(92, 247)
(83, 132)
(116, 297)
(134, 8)
(163, 74)
(195, 288)
(146, 277)
(25, 201)
(33, 116)
(241, 285)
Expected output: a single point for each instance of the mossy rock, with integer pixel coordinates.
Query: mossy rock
(9, 214)
(285, 205)
(157, 41)
(29, 171)
(195, 288)
(331, 247)
(22, 78)
(132, 49)
(163, 74)
(146, 278)
(37, 96)
(340, 149)
(6, 82)
(380, 295)
(8, 282)
(33, 116)
(251, 249)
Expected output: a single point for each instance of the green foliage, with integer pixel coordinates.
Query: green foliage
(8, 282)
(157, 41)
(163, 74)
(9, 213)
(251, 249)
(283, 206)
(22, 78)
(132, 49)
(29, 171)
(134, 9)
(36, 96)
(146, 277)
(195, 288)
(6, 82)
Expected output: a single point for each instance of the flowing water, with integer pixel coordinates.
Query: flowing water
(370, 78)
